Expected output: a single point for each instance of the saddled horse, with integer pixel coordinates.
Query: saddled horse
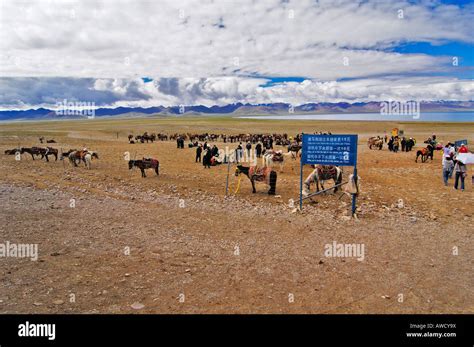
(40, 151)
(145, 163)
(259, 174)
(376, 142)
(84, 156)
(425, 153)
(320, 174)
(294, 149)
(66, 154)
(271, 158)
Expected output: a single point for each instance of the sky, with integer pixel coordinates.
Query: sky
(199, 52)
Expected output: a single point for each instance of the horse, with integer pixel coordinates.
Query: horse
(320, 174)
(270, 158)
(51, 151)
(12, 151)
(32, 151)
(88, 158)
(66, 154)
(41, 139)
(256, 174)
(425, 153)
(294, 150)
(43, 152)
(145, 163)
(376, 142)
(74, 156)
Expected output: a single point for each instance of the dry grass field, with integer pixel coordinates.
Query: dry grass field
(175, 244)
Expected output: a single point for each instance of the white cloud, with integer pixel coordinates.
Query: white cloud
(22, 93)
(203, 51)
(128, 39)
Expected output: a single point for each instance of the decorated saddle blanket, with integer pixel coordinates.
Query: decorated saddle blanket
(326, 172)
(150, 161)
(260, 174)
(277, 156)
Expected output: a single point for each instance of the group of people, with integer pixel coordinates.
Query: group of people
(453, 166)
(210, 154)
(395, 144)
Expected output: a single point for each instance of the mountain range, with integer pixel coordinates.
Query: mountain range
(236, 109)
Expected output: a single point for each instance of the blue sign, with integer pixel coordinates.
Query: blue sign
(458, 143)
(340, 150)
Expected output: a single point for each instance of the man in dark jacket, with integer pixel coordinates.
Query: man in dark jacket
(258, 150)
(206, 160)
(198, 153)
(214, 151)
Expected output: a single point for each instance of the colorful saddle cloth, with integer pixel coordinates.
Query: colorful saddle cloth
(326, 172)
(260, 174)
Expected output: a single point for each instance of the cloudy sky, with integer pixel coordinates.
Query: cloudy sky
(149, 53)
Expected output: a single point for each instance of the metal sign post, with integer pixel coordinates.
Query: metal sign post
(338, 150)
(301, 178)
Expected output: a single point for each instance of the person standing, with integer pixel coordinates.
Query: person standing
(463, 148)
(206, 160)
(248, 146)
(214, 151)
(395, 144)
(239, 152)
(448, 166)
(460, 171)
(198, 153)
(258, 149)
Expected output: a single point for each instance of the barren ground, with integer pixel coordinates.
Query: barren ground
(246, 253)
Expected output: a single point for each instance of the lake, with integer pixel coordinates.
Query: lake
(457, 117)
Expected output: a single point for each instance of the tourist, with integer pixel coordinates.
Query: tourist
(460, 170)
(448, 166)
(463, 149)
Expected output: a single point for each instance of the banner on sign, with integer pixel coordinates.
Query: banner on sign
(339, 150)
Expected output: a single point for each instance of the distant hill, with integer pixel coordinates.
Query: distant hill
(238, 109)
